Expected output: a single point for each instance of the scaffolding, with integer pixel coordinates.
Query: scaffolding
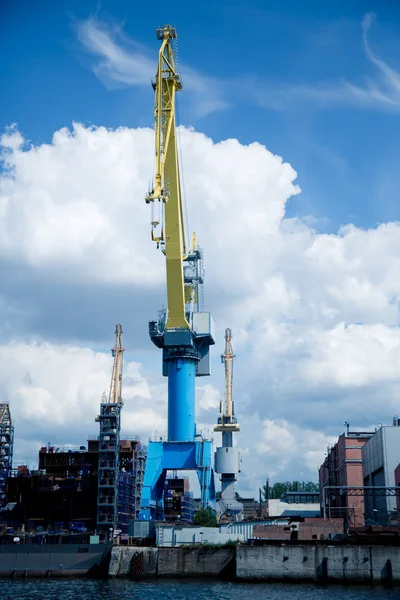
(126, 500)
(140, 466)
(109, 446)
(6, 450)
(108, 470)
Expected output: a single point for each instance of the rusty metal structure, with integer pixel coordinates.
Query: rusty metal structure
(6, 450)
(109, 444)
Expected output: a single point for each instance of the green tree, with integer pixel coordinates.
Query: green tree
(205, 517)
(278, 489)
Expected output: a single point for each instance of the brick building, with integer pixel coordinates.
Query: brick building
(318, 529)
(343, 467)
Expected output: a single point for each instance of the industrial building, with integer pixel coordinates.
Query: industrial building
(6, 450)
(62, 494)
(380, 458)
(59, 464)
(295, 504)
(342, 467)
(178, 500)
(96, 487)
(41, 502)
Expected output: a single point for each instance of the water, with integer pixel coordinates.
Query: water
(84, 589)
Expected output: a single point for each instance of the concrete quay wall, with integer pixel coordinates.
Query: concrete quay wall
(363, 564)
(140, 562)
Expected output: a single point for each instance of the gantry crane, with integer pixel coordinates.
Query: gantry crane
(227, 459)
(183, 331)
(109, 444)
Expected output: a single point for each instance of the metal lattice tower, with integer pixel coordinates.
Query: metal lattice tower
(227, 458)
(140, 465)
(6, 450)
(109, 445)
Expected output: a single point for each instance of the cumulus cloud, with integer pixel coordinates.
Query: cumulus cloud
(276, 449)
(314, 316)
(55, 391)
(285, 442)
(72, 204)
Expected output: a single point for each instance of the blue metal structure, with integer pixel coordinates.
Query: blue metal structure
(171, 455)
(183, 331)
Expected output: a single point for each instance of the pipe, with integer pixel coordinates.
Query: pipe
(352, 487)
(181, 399)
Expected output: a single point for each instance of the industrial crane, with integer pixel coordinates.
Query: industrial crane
(227, 412)
(227, 459)
(109, 442)
(183, 331)
(115, 395)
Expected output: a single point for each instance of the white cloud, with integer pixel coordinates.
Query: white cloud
(208, 398)
(381, 92)
(354, 356)
(314, 316)
(55, 391)
(277, 450)
(285, 442)
(116, 63)
(73, 204)
(122, 61)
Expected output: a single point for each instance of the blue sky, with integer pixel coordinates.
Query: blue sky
(283, 68)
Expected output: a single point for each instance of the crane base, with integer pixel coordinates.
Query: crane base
(168, 456)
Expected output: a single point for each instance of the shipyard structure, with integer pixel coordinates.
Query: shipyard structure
(227, 458)
(112, 480)
(94, 488)
(183, 331)
(97, 487)
(6, 450)
(119, 490)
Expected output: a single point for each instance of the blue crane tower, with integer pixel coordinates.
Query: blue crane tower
(182, 331)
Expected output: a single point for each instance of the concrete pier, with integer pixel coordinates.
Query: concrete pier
(138, 562)
(357, 564)
(324, 563)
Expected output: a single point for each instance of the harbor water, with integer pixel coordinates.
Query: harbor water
(85, 589)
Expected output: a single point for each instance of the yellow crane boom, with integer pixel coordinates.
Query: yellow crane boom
(227, 420)
(227, 359)
(167, 213)
(115, 395)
